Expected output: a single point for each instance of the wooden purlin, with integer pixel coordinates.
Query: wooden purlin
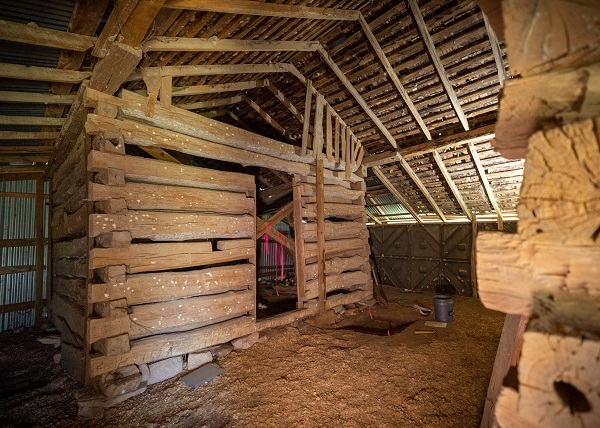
(486, 184)
(380, 175)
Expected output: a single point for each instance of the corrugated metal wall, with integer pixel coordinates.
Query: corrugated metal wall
(17, 221)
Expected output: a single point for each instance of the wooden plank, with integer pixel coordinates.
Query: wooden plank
(114, 69)
(474, 233)
(19, 135)
(272, 195)
(343, 281)
(157, 172)
(486, 184)
(496, 51)
(392, 75)
(247, 7)
(220, 102)
(39, 250)
(395, 192)
(187, 314)
(167, 226)
(359, 99)
(32, 98)
(328, 134)
(336, 265)
(17, 71)
(510, 344)
(217, 88)
(7, 270)
(15, 307)
(266, 116)
(336, 149)
(141, 196)
(442, 167)
(163, 286)
(166, 89)
(333, 191)
(281, 97)
(299, 241)
(283, 212)
(34, 35)
(4, 243)
(196, 44)
(215, 70)
(335, 230)
(322, 280)
(307, 110)
(335, 248)
(335, 209)
(166, 256)
(443, 75)
(114, 23)
(32, 120)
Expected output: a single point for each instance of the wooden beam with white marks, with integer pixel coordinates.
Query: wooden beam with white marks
(217, 88)
(215, 70)
(183, 44)
(44, 74)
(486, 184)
(220, 102)
(32, 121)
(393, 76)
(442, 167)
(496, 51)
(33, 98)
(381, 176)
(245, 7)
(415, 178)
(438, 63)
(31, 34)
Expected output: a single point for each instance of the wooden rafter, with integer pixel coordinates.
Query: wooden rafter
(281, 97)
(208, 70)
(34, 35)
(17, 135)
(379, 210)
(372, 217)
(44, 74)
(183, 44)
(438, 63)
(442, 167)
(307, 106)
(33, 98)
(381, 176)
(496, 51)
(32, 120)
(275, 193)
(244, 7)
(266, 116)
(415, 178)
(219, 102)
(276, 218)
(486, 184)
(391, 73)
(288, 243)
(217, 88)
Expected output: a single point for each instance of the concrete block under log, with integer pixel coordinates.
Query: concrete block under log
(197, 359)
(121, 381)
(164, 369)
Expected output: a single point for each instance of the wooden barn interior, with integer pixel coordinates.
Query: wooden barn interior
(178, 177)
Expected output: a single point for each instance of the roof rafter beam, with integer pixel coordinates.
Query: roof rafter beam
(217, 88)
(442, 167)
(45, 74)
(495, 50)
(40, 36)
(245, 7)
(415, 178)
(32, 120)
(35, 98)
(220, 102)
(392, 75)
(184, 44)
(486, 184)
(372, 217)
(16, 135)
(381, 176)
(438, 63)
(266, 116)
(281, 97)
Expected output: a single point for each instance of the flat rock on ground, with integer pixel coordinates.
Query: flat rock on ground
(319, 378)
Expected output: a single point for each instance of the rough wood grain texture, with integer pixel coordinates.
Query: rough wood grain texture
(155, 287)
(165, 256)
(110, 73)
(334, 248)
(45, 74)
(158, 172)
(551, 35)
(299, 240)
(548, 360)
(336, 230)
(509, 270)
(187, 314)
(531, 103)
(346, 281)
(560, 196)
(34, 35)
(336, 265)
(160, 197)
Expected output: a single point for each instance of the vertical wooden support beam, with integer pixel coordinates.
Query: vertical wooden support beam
(299, 241)
(328, 134)
(318, 143)
(395, 192)
(496, 51)
(336, 148)
(349, 147)
(307, 104)
(166, 92)
(486, 184)
(39, 249)
(507, 355)
(438, 63)
(343, 143)
(89, 307)
(423, 189)
(442, 167)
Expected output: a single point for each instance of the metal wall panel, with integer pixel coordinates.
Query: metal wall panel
(429, 257)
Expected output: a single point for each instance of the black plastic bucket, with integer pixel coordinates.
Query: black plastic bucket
(443, 308)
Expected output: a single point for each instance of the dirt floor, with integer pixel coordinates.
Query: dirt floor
(300, 376)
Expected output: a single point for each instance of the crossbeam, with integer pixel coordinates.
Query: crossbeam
(192, 44)
(40, 36)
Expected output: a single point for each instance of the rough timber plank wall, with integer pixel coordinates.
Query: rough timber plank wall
(549, 271)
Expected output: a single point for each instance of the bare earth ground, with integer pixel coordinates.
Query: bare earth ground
(299, 377)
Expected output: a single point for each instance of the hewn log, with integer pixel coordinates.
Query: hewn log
(343, 281)
(336, 230)
(148, 288)
(345, 211)
(336, 265)
(335, 248)
(34, 35)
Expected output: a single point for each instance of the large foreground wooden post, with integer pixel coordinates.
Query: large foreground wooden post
(549, 271)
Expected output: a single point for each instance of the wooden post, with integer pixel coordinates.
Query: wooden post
(39, 250)
(474, 254)
(306, 128)
(320, 203)
(299, 241)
